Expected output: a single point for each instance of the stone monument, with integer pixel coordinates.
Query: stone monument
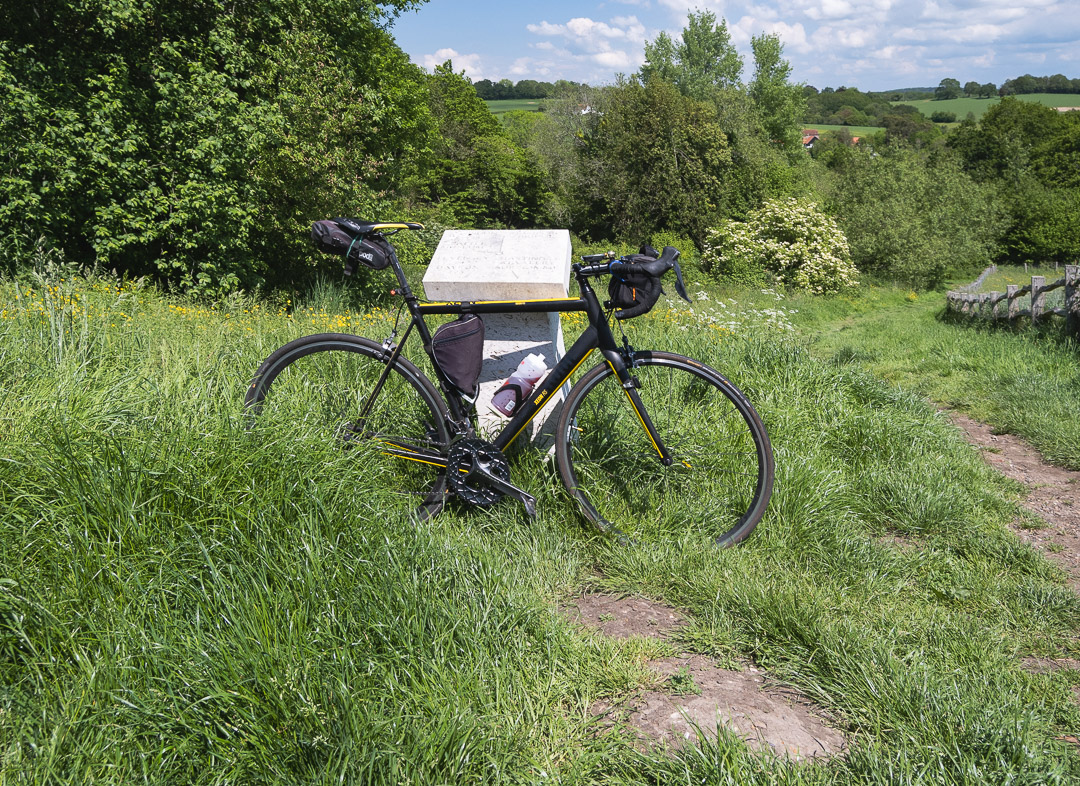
(506, 264)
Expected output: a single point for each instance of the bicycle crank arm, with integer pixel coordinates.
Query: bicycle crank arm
(481, 472)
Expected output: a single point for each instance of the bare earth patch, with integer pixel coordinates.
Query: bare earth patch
(621, 618)
(698, 693)
(1039, 665)
(1054, 493)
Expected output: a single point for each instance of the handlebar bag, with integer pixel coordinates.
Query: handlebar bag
(633, 293)
(330, 237)
(458, 348)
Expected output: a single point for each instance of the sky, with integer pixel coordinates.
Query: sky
(868, 44)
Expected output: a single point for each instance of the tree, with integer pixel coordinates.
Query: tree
(1000, 147)
(474, 173)
(971, 88)
(656, 160)
(704, 58)
(1058, 83)
(913, 217)
(781, 104)
(948, 88)
(193, 141)
(909, 127)
(987, 90)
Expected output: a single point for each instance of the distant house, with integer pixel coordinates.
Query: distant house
(809, 137)
(1068, 108)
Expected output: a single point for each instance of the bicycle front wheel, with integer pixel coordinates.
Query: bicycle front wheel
(722, 476)
(321, 390)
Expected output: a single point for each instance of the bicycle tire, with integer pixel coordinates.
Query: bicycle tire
(315, 387)
(721, 480)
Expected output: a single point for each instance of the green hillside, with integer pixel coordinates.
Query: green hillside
(511, 104)
(977, 106)
(853, 130)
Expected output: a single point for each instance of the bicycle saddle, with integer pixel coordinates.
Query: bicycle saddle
(360, 227)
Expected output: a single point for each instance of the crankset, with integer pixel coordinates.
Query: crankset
(479, 473)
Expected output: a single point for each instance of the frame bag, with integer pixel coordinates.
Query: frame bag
(334, 236)
(458, 348)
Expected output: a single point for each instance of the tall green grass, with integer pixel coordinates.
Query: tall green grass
(1021, 380)
(182, 603)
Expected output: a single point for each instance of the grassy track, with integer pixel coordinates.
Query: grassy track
(181, 603)
(1022, 381)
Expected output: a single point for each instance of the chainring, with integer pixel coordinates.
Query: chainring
(465, 455)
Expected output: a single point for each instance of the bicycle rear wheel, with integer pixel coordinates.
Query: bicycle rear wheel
(721, 480)
(316, 390)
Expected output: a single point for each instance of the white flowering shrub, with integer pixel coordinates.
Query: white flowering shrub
(788, 240)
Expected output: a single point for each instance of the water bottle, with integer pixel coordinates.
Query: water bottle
(526, 376)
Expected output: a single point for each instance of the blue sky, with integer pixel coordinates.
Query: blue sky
(869, 44)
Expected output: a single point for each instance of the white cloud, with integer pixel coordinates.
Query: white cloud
(614, 59)
(470, 64)
(617, 45)
(875, 44)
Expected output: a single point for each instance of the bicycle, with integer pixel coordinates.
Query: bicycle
(645, 438)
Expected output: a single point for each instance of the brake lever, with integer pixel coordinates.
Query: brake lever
(680, 287)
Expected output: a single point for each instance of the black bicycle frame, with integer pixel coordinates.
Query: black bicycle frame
(597, 335)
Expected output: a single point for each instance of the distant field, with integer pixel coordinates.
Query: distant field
(977, 106)
(853, 130)
(524, 104)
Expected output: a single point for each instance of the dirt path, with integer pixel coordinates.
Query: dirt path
(1053, 493)
(694, 692)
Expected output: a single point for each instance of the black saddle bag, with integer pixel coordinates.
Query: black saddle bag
(332, 236)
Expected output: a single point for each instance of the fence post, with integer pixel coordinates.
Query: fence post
(1038, 297)
(994, 308)
(1072, 300)
(1010, 294)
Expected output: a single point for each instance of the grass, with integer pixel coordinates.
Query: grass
(181, 603)
(1020, 380)
(516, 104)
(978, 106)
(860, 131)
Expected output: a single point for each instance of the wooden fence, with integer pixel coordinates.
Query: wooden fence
(1006, 305)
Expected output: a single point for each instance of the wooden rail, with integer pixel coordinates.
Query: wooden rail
(989, 304)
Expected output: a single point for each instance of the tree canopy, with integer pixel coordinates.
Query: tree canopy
(195, 140)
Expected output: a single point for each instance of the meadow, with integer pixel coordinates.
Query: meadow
(516, 105)
(961, 107)
(860, 131)
(182, 603)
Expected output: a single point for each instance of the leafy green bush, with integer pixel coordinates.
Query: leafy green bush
(791, 240)
(195, 142)
(911, 218)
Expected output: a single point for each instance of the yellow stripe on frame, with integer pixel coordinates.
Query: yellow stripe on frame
(636, 412)
(527, 422)
(397, 226)
(426, 303)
